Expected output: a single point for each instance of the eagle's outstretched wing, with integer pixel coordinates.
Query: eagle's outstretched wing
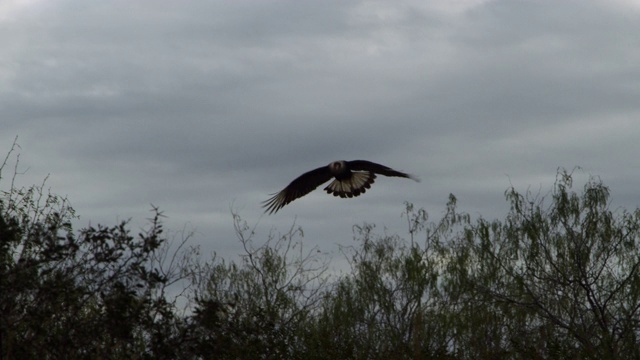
(299, 187)
(363, 165)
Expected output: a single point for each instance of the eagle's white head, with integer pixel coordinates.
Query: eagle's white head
(338, 167)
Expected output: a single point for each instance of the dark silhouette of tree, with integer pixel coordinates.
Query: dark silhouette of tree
(557, 278)
(97, 294)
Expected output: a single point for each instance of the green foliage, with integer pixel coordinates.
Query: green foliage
(256, 309)
(76, 297)
(557, 278)
(570, 269)
(97, 294)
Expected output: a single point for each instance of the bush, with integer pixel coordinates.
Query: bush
(558, 278)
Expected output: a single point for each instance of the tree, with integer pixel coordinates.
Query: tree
(550, 281)
(557, 278)
(258, 308)
(97, 294)
(570, 268)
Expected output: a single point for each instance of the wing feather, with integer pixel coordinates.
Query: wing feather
(363, 165)
(298, 188)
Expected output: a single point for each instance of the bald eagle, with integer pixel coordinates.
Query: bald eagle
(352, 178)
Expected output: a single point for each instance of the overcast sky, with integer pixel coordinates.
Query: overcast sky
(202, 106)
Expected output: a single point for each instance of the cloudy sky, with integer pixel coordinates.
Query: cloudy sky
(200, 107)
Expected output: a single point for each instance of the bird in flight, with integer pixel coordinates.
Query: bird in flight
(351, 178)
